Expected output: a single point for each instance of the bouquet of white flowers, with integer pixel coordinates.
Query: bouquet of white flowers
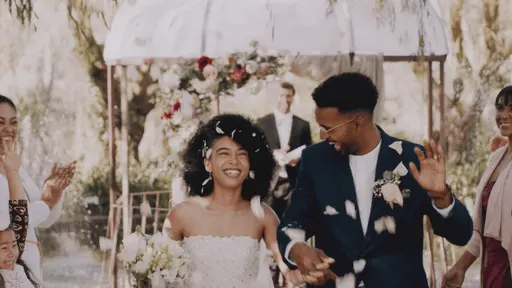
(154, 261)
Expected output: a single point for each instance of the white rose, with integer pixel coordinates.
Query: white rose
(251, 66)
(169, 81)
(392, 194)
(133, 245)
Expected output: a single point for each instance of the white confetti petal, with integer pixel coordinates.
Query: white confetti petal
(330, 211)
(208, 153)
(253, 134)
(397, 146)
(217, 128)
(257, 150)
(251, 174)
(295, 233)
(385, 223)
(401, 169)
(206, 181)
(359, 265)
(346, 281)
(145, 209)
(106, 244)
(351, 209)
(233, 134)
(256, 207)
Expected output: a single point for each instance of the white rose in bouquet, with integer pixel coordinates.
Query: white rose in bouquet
(251, 66)
(134, 245)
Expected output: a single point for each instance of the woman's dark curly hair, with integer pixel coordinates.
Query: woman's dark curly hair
(248, 136)
(505, 93)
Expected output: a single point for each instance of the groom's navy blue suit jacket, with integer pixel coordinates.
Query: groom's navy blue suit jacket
(392, 260)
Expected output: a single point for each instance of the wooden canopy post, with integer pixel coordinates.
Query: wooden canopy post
(112, 267)
(125, 188)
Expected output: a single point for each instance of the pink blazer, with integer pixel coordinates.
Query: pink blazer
(498, 221)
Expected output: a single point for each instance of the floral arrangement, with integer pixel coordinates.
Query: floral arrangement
(154, 261)
(187, 89)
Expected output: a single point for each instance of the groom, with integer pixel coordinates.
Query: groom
(361, 194)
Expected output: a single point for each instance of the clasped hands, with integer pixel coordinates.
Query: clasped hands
(312, 263)
(57, 182)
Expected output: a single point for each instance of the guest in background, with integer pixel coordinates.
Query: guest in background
(492, 233)
(284, 132)
(44, 206)
(14, 273)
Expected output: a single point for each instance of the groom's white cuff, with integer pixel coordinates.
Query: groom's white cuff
(289, 248)
(446, 211)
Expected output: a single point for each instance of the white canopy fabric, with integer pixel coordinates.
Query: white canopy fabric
(170, 29)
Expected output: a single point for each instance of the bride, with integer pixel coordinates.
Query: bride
(228, 169)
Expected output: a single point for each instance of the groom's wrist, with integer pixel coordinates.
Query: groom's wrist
(445, 200)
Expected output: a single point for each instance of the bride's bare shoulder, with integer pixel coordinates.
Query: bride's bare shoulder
(187, 208)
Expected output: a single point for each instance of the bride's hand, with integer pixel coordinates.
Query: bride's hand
(295, 277)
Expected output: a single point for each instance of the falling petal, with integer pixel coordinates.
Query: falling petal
(233, 134)
(346, 281)
(295, 233)
(385, 223)
(351, 209)
(256, 207)
(330, 211)
(217, 128)
(397, 146)
(257, 150)
(106, 244)
(390, 224)
(208, 153)
(253, 134)
(401, 169)
(145, 209)
(359, 265)
(251, 174)
(206, 181)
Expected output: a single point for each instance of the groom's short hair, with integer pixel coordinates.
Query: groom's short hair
(349, 92)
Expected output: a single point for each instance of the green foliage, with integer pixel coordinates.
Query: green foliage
(468, 164)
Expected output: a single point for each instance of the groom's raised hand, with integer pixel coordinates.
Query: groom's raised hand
(432, 173)
(313, 263)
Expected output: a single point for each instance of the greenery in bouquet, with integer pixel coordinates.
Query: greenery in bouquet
(154, 261)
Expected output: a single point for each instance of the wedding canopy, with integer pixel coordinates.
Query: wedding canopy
(169, 29)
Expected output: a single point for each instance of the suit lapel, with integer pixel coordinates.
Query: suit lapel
(272, 132)
(388, 160)
(349, 231)
(294, 134)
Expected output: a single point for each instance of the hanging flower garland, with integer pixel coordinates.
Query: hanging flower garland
(188, 89)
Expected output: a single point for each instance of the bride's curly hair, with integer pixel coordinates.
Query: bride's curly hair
(248, 136)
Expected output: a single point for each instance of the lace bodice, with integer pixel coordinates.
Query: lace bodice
(221, 262)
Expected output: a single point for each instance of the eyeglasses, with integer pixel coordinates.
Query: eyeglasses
(327, 131)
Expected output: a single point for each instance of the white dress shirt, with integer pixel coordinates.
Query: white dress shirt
(40, 216)
(284, 130)
(363, 169)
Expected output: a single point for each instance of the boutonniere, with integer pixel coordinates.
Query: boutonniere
(388, 187)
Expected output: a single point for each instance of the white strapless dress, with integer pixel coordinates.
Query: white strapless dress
(222, 262)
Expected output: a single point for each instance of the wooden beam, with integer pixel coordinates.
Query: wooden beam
(125, 187)
(442, 127)
(112, 176)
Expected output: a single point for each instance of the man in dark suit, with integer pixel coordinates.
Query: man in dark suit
(361, 195)
(285, 132)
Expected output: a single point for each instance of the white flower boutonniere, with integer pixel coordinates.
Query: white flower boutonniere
(388, 189)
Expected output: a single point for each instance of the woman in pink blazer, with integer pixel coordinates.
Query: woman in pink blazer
(492, 235)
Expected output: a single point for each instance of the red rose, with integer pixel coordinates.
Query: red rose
(203, 62)
(176, 106)
(167, 115)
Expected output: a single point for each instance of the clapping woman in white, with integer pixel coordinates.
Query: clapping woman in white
(44, 206)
